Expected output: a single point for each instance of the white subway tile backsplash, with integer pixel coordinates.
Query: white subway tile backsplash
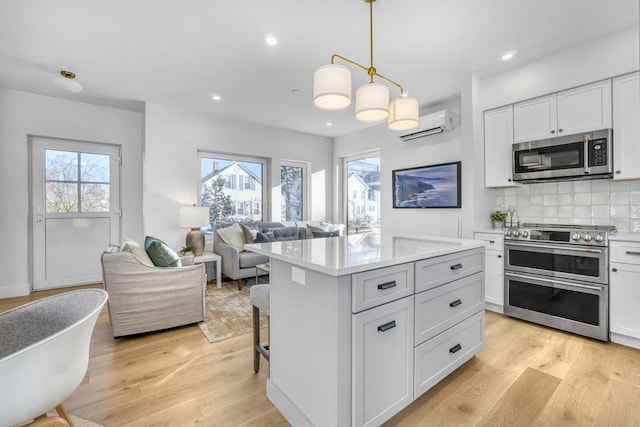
(619, 211)
(536, 189)
(582, 186)
(600, 198)
(566, 212)
(600, 185)
(619, 197)
(566, 187)
(536, 211)
(536, 200)
(619, 186)
(550, 211)
(583, 199)
(599, 211)
(591, 202)
(583, 212)
(566, 199)
(550, 188)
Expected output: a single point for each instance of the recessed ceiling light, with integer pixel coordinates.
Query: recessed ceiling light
(329, 124)
(271, 40)
(507, 56)
(216, 97)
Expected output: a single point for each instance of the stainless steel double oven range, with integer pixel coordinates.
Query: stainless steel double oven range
(558, 275)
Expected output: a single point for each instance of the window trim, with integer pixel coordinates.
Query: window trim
(306, 186)
(344, 199)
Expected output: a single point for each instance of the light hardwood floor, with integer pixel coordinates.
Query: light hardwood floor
(527, 375)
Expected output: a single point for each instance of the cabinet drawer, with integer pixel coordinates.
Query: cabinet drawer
(440, 270)
(441, 355)
(625, 252)
(382, 362)
(375, 287)
(494, 241)
(440, 308)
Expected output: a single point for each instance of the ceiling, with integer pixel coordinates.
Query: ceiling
(179, 53)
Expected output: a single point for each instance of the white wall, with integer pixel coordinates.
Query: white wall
(172, 170)
(395, 154)
(23, 114)
(617, 54)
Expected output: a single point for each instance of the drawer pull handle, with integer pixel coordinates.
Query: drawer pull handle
(615, 270)
(388, 285)
(455, 303)
(456, 348)
(633, 253)
(499, 256)
(456, 267)
(492, 241)
(387, 326)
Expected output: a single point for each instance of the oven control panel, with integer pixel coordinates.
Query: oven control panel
(556, 235)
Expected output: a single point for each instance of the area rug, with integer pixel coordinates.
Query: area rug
(78, 422)
(229, 312)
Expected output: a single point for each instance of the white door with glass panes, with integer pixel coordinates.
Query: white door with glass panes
(75, 210)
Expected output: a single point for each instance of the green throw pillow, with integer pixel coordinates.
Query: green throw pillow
(160, 253)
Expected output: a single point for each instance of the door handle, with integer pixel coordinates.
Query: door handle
(388, 285)
(456, 348)
(387, 326)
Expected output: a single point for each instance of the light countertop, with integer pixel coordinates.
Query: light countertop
(625, 237)
(338, 256)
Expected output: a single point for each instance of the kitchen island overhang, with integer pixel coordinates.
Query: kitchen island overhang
(352, 328)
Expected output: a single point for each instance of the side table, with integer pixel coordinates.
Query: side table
(211, 257)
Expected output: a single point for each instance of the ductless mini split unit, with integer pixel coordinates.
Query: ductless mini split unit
(431, 124)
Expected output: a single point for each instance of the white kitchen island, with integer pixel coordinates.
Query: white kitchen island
(362, 325)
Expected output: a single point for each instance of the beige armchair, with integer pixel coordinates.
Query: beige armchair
(144, 298)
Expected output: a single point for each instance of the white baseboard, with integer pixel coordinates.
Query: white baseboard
(494, 307)
(625, 340)
(16, 290)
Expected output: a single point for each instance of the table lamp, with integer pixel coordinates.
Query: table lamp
(194, 217)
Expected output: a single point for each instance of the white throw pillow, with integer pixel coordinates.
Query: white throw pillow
(138, 250)
(232, 235)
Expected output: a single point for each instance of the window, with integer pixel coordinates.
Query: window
(362, 190)
(231, 186)
(292, 190)
(76, 181)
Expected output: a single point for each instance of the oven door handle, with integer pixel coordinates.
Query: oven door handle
(527, 245)
(559, 282)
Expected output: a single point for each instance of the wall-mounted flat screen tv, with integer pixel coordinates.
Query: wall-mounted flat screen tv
(434, 186)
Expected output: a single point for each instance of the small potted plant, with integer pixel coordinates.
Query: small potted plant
(497, 219)
(186, 250)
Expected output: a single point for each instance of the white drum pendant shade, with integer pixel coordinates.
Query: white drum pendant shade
(404, 113)
(332, 87)
(372, 102)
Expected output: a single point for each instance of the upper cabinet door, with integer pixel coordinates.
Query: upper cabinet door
(498, 139)
(535, 119)
(585, 108)
(626, 126)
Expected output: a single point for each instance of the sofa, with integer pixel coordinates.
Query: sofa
(238, 264)
(144, 297)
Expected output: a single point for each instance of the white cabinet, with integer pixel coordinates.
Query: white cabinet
(383, 361)
(498, 139)
(493, 270)
(535, 119)
(624, 293)
(626, 126)
(582, 109)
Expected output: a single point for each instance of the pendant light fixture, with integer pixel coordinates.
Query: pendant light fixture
(67, 82)
(332, 91)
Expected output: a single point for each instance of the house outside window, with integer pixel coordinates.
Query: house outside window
(231, 186)
(362, 190)
(293, 197)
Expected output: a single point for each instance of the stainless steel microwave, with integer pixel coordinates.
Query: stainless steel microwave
(580, 156)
